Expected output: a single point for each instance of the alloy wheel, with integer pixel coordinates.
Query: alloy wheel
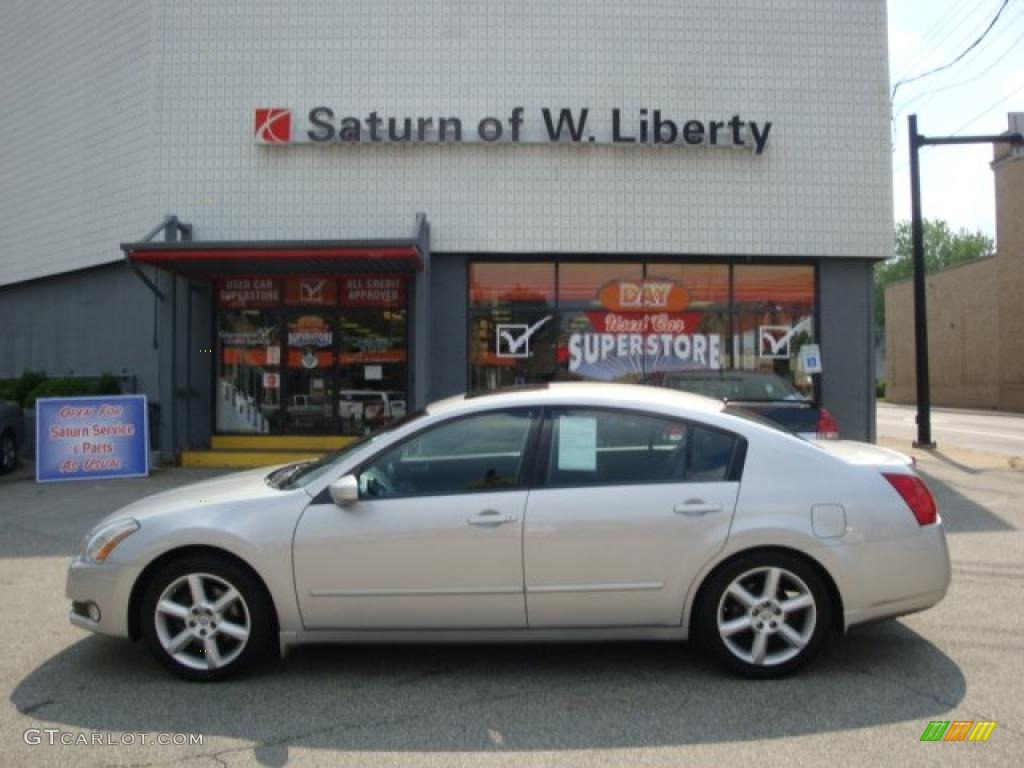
(202, 621)
(766, 616)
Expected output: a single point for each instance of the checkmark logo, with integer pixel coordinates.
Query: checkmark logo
(513, 339)
(775, 339)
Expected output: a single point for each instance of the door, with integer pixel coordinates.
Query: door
(435, 541)
(632, 506)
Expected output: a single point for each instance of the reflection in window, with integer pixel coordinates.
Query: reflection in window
(249, 385)
(476, 454)
(501, 285)
(773, 316)
(635, 321)
(597, 447)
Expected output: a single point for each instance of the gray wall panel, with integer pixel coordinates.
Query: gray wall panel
(83, 323)
(847, 351)
(448, 342)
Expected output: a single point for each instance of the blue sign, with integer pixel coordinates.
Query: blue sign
(88, 438)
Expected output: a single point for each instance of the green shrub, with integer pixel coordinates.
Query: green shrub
(108, 384)
(64, 386)
(880, 388)
(35, 384)
(25, 385)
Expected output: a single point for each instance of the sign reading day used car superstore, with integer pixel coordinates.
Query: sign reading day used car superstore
(546, 125)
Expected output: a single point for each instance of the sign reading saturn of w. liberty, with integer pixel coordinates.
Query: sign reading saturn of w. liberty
(545, 125)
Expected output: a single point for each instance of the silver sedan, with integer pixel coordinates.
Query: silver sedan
(564, 512)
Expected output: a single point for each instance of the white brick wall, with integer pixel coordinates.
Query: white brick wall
(74, 132)
(816, 68)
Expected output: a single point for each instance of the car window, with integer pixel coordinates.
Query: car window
(766, 387)
(478, 453)
(604, 447)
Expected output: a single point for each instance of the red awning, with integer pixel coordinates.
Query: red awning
(211, 260)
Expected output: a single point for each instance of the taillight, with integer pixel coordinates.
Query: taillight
(828, 429)
(917, 496)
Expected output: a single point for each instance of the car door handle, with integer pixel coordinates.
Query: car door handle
(696, 508)
(491, 517)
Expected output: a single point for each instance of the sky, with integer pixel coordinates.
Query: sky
(971, 97)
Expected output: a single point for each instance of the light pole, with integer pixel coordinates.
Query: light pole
(924, 396)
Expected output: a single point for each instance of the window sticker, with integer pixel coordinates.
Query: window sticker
(577, 443)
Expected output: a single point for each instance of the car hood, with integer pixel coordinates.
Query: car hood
(864, 454)
(238, 486)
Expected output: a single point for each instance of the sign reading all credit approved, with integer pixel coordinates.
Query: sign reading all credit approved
(88, 438)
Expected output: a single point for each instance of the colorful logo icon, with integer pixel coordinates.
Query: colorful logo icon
(273, 125)
(958, 730)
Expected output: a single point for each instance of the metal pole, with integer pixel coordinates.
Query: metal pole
(924, 396)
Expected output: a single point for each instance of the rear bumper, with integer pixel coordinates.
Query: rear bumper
(897, 577)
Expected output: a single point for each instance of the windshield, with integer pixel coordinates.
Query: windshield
(302, 474)
(725, 386)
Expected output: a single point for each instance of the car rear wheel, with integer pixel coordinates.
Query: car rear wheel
(206, 618)
(764, 614)
(8, 452)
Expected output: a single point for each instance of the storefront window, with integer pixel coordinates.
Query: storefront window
(312, 355)
(773, 316)
(582, 286)
(634, 322)
(512, 324)
(528, 285)
(249, 385)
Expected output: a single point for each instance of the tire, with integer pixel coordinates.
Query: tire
(8, 452)
(758, 633)
(229, 629)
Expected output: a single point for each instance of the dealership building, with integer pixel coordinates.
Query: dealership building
(305, 219)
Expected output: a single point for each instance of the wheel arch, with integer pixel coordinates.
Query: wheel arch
(144, 578)
(835, 597)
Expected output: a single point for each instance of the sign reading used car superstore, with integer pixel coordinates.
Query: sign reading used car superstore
(561, 125)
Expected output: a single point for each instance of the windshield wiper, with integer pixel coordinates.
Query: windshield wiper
(279, 477)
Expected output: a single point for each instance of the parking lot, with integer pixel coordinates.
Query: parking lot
(865, 701)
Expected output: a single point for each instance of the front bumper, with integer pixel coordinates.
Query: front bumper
(108, 587)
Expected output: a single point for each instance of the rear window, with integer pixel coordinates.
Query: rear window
(766, 387)
(743, 413)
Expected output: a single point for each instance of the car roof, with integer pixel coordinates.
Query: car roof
(578, 392)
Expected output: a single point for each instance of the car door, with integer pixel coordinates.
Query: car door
(435, 540)
(631, 506)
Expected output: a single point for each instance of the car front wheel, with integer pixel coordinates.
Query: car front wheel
(764, 614)
(206, 618)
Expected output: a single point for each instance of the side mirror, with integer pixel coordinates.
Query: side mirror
(344, 490)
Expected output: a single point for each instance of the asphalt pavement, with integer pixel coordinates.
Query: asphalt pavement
(984, 431)
(864, 702)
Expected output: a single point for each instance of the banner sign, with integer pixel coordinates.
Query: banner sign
(282, 126)
(248, 293)
(373, 292)
(89, 438)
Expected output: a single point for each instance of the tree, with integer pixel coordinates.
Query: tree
(942, 248)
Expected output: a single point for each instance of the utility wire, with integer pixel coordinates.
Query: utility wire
(963, 53)
(927, 95)
(963, 19)
(970, 122)
(989, 108)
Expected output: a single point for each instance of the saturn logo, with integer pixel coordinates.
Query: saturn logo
(273, 125)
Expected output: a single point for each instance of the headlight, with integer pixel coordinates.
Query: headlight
(101, 542)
